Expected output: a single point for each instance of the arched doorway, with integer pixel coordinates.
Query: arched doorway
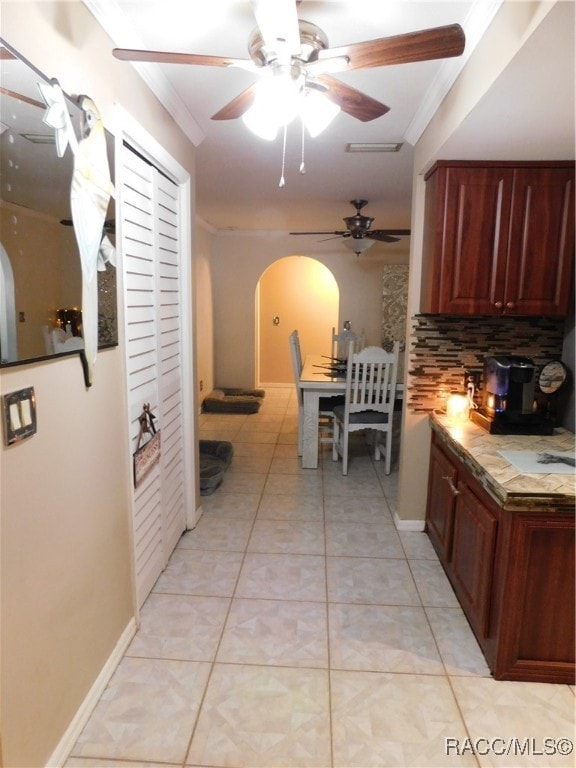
(8, 338)
(296, 292)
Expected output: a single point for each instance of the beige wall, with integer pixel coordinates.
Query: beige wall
(239, 259)
(502, 41)
(302, 293)
(204, 311)
(66, 579)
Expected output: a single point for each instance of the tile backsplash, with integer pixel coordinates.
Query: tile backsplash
(442, 347)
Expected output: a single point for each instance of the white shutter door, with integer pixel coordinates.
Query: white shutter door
(170, 364)
(153, 349)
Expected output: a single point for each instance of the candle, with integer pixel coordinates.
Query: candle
(457, 408)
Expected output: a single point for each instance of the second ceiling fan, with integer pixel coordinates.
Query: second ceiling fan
(283, 44)
(358, 230)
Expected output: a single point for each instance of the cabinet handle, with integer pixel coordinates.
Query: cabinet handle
(510, 305)
(453, 488)
(498, 304)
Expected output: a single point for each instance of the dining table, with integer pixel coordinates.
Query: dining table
(318, 380)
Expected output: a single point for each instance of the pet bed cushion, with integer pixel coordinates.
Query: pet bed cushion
(233, 401)
(215, 458)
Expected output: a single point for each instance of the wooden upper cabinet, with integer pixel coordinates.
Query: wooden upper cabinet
(499, 239)
(541, 252)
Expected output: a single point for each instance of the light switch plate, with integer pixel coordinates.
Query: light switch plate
(19, 412)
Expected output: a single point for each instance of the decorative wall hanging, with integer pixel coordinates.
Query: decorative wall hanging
(147, 455)
(90, 192)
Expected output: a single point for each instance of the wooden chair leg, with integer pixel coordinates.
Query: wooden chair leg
(335, 438)
(388, 437)
(345, 436)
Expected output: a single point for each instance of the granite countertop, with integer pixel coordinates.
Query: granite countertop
(479, 451)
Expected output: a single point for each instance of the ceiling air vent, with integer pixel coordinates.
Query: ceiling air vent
(374, 147)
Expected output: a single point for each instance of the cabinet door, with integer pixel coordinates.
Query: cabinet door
(536, 632)
(473, 551)
(442, 492)
(471, 235)
(541, 253)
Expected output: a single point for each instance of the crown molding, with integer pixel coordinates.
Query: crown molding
(477, 21)
(112, 19)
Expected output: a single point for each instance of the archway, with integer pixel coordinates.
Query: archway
(8, 337)
(296, 292)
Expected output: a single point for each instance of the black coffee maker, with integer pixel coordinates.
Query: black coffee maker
(508, 404)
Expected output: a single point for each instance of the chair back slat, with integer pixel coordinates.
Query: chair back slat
(371, 379)
(341, 341)
(371, 376)
(296, 355)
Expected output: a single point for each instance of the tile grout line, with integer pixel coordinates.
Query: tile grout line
(225, 622)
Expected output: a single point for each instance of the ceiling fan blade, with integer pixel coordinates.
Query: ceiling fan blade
(351, 101)
(238, 105)
(424, 45)
(278, 24)
(339, 233)
(382, 238)
(166, 57)
(382, 234)
(22, 97)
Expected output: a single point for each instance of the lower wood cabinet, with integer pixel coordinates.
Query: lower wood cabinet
(473, 550)
(512, 571)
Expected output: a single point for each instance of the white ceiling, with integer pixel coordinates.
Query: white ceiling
(529, 113)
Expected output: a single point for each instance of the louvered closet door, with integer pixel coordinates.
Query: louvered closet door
(150, 239)
(170, 367)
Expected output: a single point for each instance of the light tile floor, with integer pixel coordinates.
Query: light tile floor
(294, 626)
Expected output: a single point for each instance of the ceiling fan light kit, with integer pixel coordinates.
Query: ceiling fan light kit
(359, 246)
(279, 99)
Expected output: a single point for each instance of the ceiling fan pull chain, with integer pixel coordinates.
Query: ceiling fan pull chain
(302, 163)
(282, 182)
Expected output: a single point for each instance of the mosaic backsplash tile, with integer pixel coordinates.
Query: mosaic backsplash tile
(442, 347)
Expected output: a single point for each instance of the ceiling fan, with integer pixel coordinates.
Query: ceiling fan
(358, 229)
(283, 44)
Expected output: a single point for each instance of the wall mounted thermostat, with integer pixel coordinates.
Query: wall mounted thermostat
(19, 411)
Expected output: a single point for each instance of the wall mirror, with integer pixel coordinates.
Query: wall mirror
(40, 270)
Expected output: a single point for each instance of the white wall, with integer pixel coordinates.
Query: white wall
(66, 580)
(239, 259)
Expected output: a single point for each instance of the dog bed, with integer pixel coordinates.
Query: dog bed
(215, 458)
(233, 401)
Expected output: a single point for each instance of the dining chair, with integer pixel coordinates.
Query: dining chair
(341, 340)
(369, 401)
(325, 406)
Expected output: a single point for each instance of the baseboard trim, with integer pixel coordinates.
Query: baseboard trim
(70, 737)
(409, 525)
